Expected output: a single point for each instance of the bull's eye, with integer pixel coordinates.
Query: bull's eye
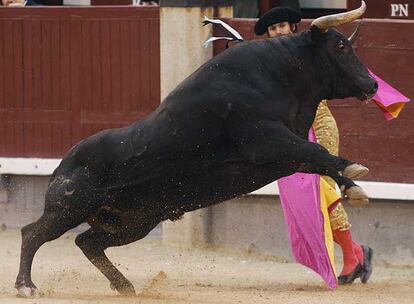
(342, 46)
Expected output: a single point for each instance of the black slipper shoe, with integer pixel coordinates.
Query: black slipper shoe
(368, 254)
(349, 278)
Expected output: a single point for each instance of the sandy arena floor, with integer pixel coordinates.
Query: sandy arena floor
(167, 275)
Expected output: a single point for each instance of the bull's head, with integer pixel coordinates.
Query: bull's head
(352, 77)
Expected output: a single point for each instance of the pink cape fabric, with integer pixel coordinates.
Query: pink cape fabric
(388, 96)
(300, 199)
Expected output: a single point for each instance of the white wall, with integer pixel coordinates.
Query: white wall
(77, 2)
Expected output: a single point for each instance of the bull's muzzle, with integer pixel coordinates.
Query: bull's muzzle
(369, 90)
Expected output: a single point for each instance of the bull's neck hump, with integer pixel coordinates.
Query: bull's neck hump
(304, 67)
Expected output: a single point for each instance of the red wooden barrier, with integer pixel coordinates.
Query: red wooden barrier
(385, 147)
(68, 72)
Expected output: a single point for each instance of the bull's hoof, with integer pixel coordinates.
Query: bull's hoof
(356, 196)
(27, 292)
(355, 171)
(126, 289)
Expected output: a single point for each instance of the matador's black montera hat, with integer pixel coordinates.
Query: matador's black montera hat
(276, 15)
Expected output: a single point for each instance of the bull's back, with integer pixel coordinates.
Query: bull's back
(142, 152)
(181, 149)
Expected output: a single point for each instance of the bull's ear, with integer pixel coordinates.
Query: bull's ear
(315, 34)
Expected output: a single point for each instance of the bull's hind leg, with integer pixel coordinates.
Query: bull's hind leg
(66, 206)
(49, 227)
(94, 241)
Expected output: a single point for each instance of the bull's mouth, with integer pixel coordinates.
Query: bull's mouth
(365, 97)
(368, 93)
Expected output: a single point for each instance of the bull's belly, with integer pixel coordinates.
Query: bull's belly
(197, 189)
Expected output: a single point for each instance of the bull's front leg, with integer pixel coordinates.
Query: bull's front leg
(272, 142)
(354, 193)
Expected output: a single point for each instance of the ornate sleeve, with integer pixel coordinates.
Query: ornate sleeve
(325, 128)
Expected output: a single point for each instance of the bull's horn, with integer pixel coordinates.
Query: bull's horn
(325, 22)
(355, 34)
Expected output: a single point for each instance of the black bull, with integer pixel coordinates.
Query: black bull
(236, 124)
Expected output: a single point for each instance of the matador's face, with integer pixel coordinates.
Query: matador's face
(279, 29)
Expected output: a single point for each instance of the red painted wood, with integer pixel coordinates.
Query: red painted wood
(68, 72)
(9, 92)
(17, 77)
(75, 75)
(145, 54)
(386, 147)
(115, 60)
(155, 66)
(135, 65)
(265, 5)
(35, 48)
(86, 61)
(106, 66)
(65, 64)
(96, 66)
(2, 77)
(45, 61)
(18, 135)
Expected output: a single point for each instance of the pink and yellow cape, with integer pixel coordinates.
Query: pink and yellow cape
(306, 210)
